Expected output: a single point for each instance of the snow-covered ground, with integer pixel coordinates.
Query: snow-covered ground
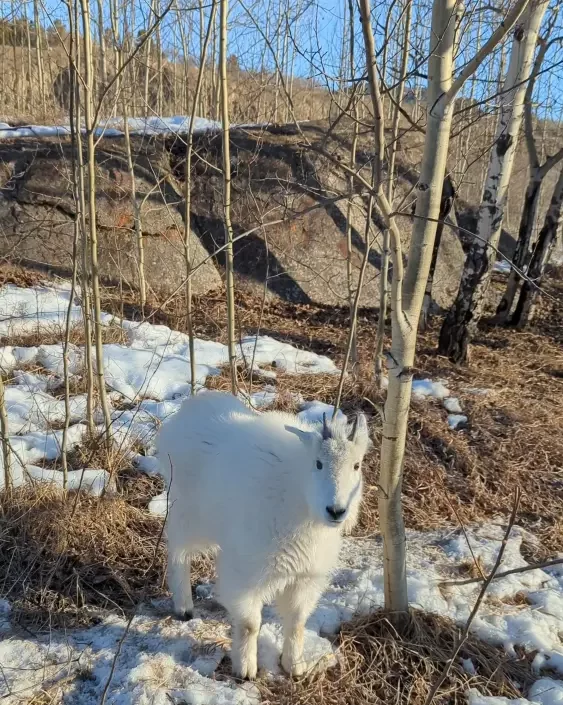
(163, 660)
(114, 127)
(160, 660)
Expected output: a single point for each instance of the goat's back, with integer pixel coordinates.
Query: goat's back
(229, 469)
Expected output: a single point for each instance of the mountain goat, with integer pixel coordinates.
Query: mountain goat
(272, 495)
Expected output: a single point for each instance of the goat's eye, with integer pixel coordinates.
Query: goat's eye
(357, 466)
(319, 465)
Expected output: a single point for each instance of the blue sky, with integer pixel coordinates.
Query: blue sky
(317, 35)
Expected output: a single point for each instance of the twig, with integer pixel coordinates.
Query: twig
(464, 530)
(443, 675)
(133, 613)
(505, 573)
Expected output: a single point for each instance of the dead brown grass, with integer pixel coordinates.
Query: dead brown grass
(51, 335)
(64, 556)
(382, 664)
(515, 432)
(513, 439)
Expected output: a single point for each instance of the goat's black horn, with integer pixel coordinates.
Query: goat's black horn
(354, 428)
(326, 430)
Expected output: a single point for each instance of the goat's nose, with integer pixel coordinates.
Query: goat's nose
(336, 513)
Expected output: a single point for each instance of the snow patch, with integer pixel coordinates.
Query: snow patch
(427, 388)
(545, 691)
(114, 127)
(268, 351)
(502, 266)
(144, 373)
(456, 420)
(35, 309)
(452, 405)
(312, 412)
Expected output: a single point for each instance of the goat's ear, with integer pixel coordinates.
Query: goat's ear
(360, 432)
(306, 437)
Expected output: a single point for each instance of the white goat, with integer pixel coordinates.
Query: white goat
(273, 495)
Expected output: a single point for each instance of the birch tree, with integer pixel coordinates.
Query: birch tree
(224, 5)
(188, 196)
(408, 283)
(463, 317)
(529, 292)
(92, 224)
(538, 171)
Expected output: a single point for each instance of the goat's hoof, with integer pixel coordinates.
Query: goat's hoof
(185, 616)
(296, 669)
(245, 673)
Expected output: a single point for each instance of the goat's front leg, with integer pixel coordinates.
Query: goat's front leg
(244, 651)
(295, 605)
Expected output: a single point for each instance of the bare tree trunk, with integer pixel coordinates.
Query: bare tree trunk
(202, 104)
(92, 224)
(215, 81)
(75, 242)
(103, 77)
(137, 224)
(382, 314)
(399, 99)
(407, 297)
(227, 194)
(5, 432)
(146, 88)
(408, 287)
(79, 198)
(184, 94)
(159, 68)
(539, 168)
(463, 317)
(39, 57)
(17, 72)
(278, 69)
(384, 272)
(29, 66)
(3, 81)
(446, 207)
(350, 205)
(525, 307)
(188, 196)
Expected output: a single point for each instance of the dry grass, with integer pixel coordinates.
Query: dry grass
(63, 557)
(380, 664)
(515, 432)
(55, 333)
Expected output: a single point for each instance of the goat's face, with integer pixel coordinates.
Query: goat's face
(334, 481)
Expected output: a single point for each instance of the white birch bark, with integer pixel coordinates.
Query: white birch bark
(463, 317)
(408, 288)
(227, 193)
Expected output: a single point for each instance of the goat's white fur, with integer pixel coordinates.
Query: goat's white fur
(247, 485)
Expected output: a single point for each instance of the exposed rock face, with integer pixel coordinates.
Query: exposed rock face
(37, 213)
(276, 177)
(279, 176)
